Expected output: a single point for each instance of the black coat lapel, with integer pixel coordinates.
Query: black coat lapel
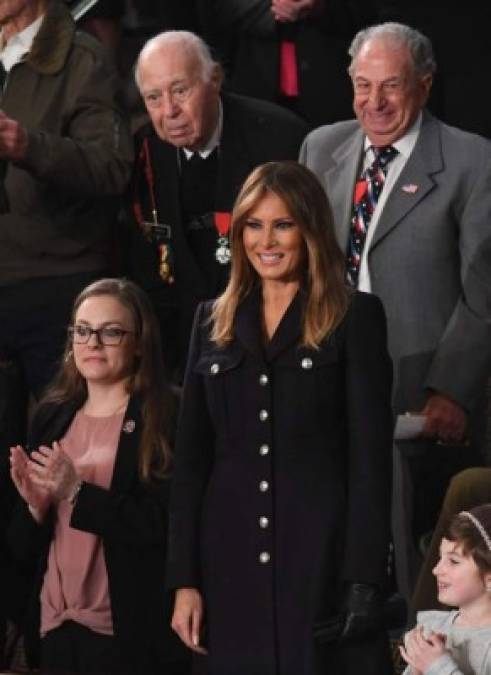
(247, 325)
(50, 423)
(289, 330)
(126, 464)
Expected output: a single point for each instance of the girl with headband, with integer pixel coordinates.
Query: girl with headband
(457, 642)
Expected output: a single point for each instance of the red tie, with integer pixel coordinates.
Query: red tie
(288, 68)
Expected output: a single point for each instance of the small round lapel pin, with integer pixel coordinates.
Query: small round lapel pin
(129, 426)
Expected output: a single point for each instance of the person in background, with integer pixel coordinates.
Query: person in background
(65, 158)
(279, 515)
(291, 52)
(412, 208)
(193, 157)
(93, 488)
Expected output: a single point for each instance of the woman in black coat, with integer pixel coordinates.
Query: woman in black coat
(85, 490)
(279, 516)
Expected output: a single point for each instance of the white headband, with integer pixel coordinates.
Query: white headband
(478, 526)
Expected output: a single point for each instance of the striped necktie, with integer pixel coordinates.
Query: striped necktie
(367, 192)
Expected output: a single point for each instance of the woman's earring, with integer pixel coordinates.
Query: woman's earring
(68, 356)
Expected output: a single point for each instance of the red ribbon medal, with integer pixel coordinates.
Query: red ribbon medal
(223, 221)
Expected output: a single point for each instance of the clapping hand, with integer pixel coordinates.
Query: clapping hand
(53, 470)
(420, 651)
(37, 497)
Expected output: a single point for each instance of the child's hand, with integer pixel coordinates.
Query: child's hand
(421, 652)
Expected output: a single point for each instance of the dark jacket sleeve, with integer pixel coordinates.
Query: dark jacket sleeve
(93, 155)
(194, 456)
(135, 518)
(26, 537)
(370, 428)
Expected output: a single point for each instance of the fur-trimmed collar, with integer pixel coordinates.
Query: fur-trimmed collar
(53, 41)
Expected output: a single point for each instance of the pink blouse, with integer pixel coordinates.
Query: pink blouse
(75, 585)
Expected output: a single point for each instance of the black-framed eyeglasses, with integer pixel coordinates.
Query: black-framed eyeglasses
(107, 335)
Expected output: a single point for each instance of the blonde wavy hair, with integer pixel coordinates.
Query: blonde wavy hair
(323, 282)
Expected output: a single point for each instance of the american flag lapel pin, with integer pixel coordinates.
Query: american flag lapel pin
(410, 188)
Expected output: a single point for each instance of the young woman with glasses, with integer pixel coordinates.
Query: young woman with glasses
(94, 487)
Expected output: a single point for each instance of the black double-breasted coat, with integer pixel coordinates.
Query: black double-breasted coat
(282, 481)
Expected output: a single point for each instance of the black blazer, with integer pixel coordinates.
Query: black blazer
(282, 482)
(131, 519)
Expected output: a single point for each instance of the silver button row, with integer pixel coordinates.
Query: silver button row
(264, 450)
(264, 486)
(263, 522)
(306, 364)
(264, 557)
(263, 415)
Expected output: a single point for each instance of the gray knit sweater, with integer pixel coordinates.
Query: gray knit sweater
(469, 649)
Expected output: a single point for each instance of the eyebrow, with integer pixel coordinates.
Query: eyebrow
(162, 87)
(281, 219)
(392, 78)
(453, 551)
(102, 325)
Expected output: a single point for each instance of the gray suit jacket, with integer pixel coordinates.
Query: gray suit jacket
(430, 257)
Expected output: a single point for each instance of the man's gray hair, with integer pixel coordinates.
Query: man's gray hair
(398, 35)
(179, 38)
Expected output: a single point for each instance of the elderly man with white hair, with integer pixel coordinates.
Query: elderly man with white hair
(192, 159)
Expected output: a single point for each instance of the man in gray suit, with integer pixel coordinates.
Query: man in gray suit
(425, 251)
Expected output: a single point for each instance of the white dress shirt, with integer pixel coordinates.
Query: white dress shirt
(19, 44)
(404, 147)
(214, 139)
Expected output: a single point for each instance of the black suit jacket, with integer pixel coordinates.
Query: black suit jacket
(131, 519)
(253, 132)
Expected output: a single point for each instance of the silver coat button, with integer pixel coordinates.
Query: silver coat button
(263, 380)
(264, 557)
(264, 450)
(306, 363)
(215, 368)
(264, 486)
(263, 522)
(263, 415)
